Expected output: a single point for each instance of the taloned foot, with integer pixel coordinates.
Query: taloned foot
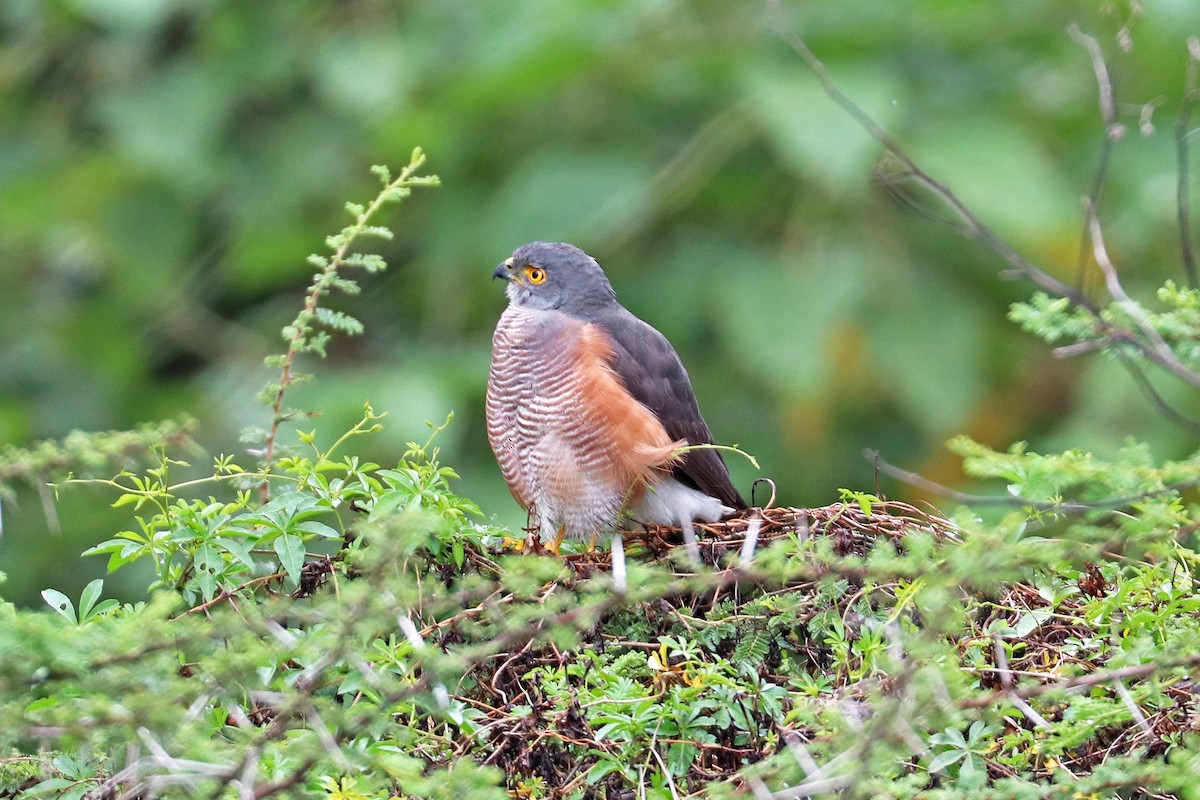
(514, 545)
(532, 544)
(554, 544)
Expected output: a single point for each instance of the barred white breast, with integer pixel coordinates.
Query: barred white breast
(574, 446)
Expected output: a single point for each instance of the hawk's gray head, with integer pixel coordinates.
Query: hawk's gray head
(555, 275)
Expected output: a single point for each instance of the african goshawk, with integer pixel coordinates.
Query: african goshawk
(588, 406)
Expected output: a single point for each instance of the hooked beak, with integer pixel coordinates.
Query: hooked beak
(503, 270)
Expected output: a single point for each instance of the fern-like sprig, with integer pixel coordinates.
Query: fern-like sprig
(310, 331)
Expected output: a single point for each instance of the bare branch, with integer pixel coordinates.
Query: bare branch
(1085, 681)
(1093, 199)
(935, 488)
(1108, 113)
(1065, 507)
(973, 226)
(1134, 710)
(1182, 135)
(1113, 129)
(1114, 132)
(1085, 347)
(1007, 682)
(1155, 347)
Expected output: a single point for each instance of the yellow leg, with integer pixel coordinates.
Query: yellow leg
(557, 541)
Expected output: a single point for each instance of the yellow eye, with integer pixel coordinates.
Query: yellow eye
(535, 274)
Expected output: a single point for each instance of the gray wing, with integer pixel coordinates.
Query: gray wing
(654, 375)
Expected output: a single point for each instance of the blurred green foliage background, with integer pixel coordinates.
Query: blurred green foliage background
(167, 165)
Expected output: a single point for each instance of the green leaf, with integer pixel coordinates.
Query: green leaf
(601, 770)
(570, 192)
(60, 603)
(945, 759)
(1029, 622)
(42, 703)
(317, 529)
(50, 785)
(1016, 189)
(103, 607)
(680, 757)
(208, 564)
(240, 548)
(339, 321)
(752, 648)
(290, 549)
(87, 600)
(126, 499)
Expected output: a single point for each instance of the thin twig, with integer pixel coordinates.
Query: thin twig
(1084, 347)
(48, 507)
(1190, 424)
(939, 489)
(666, 770)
